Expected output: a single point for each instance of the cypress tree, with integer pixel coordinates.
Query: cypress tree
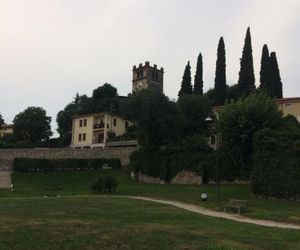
(275, 76)
(265, 80)
(246, 75)
(198, 83)
(220, 78)
(186, 84)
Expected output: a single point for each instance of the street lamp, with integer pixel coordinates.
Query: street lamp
(213, 131)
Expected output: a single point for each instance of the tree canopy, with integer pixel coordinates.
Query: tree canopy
(220, 78)
(246, 80)
(186, 84)
(275, 76)
(32, 125)
(237, 126)
(198, 82)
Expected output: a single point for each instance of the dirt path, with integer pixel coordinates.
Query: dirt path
(208, 212)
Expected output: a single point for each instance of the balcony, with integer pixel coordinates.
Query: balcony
(99, 126)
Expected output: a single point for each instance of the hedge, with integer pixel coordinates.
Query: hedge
(193, 155)
(36, 165)
(276, 170)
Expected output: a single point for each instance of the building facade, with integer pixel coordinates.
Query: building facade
(6, 129)
(147, 77)
(93, 130)
(289, 106)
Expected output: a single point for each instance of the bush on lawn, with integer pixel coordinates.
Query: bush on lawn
(36, 165)
(105, 185)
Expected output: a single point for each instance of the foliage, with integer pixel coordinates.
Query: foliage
(246, 74)
(32, 125)
(275, 76)
(105, 185)
(198, 82)
(104, 99)
(237, 126)
(155, 116)
(276, 171)
(265, 72)
(193, 154)
(186, 84)
(36, 165)
(210, 95)
(193, 111)
(220, 78)
(1, 120)
(232, 93)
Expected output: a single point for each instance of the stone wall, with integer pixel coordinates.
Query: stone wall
(184, 177)
(7, 156)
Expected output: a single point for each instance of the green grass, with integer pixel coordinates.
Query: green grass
(99, 222)
(78, 183)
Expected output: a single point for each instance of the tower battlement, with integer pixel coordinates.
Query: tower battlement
(146, 76)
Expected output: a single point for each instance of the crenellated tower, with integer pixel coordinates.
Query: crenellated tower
(147, 77)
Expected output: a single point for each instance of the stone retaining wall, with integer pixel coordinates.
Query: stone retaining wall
(184, 177)
(7, 156)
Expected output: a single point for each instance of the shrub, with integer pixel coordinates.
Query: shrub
(107, 184)
(35, 165)
(98, 186)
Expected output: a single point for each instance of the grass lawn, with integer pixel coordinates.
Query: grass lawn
(98, 222)
(78, 183)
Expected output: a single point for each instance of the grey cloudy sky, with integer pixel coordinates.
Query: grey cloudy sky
(51, 49)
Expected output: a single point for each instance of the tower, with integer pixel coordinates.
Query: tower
(147, 77)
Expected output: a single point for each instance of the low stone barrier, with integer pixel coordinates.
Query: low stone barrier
(7, 156)
(184, 178)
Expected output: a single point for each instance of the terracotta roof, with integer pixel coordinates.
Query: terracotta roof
(278, 101)
(97, 114)
(288, 100)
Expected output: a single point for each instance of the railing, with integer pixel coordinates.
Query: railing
(100, 125)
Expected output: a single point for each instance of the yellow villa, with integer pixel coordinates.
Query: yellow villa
(289, 106)
(92, 130)
(6, 129)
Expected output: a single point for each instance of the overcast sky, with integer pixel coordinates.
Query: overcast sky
(51, 49)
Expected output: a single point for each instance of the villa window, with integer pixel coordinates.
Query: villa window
(80, 123)
(79, 137)
(84, 137)
(84, 122)
(115, 122)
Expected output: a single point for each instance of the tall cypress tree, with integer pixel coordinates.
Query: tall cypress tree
(198, 83)
(275, 76)
(246, 81)
(186, 84)
(265, 81)
(220, 79)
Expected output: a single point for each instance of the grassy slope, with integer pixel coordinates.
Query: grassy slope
(115, 223)
(73, 183)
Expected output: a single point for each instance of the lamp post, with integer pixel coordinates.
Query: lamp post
(213, 131)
